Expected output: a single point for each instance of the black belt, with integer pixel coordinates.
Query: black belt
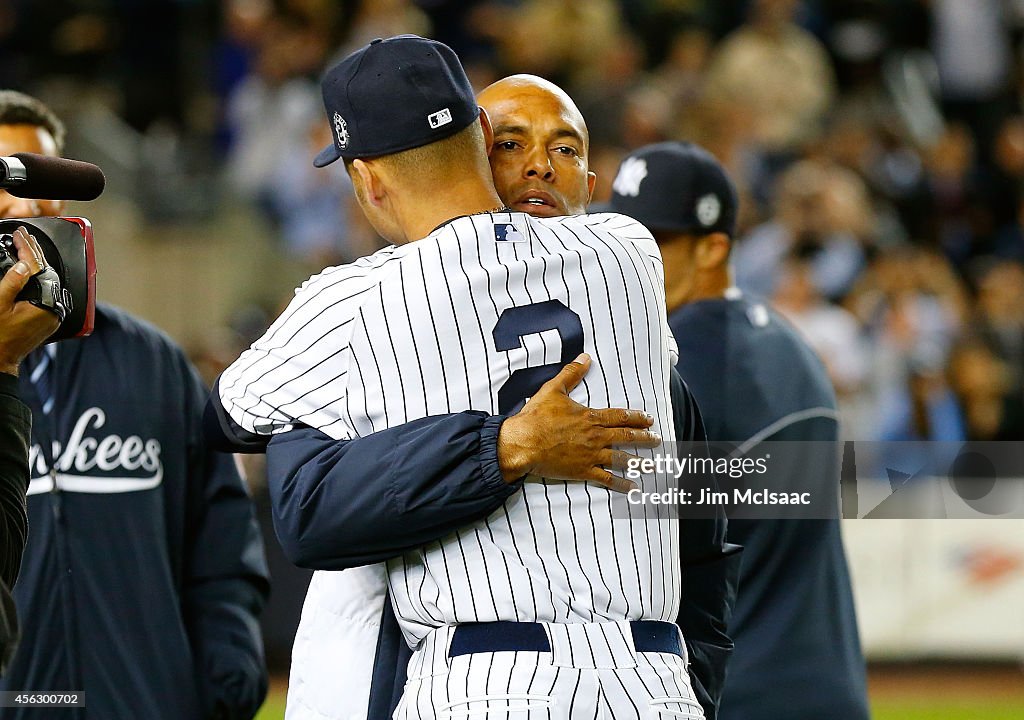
(504, 636)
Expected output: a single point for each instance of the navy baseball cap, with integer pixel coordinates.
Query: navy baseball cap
(394, 95)
(675, 187)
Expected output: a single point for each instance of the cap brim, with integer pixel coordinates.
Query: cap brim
(326, 156)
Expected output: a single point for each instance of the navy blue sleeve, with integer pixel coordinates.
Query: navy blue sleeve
(710, 573)
(15, 425)
(708, 595)
(340, 504)
(390, 667)
(701, 538)
(226, 581)
(224, 434)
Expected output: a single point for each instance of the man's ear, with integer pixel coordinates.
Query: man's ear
(485, 124)
(713, 251)
(368, 183)
(591, 182)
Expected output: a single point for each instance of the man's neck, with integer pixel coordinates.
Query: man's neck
(422, 214)
(709, 285)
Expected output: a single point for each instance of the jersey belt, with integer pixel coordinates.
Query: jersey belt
(504, 636)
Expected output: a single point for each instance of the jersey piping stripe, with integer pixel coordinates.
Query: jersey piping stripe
(807, 414)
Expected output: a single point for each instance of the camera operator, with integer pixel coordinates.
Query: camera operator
(22, 327)
(143, 575)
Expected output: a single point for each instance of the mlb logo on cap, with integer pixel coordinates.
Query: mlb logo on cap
(441, 117)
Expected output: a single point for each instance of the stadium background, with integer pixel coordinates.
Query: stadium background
(879, 150)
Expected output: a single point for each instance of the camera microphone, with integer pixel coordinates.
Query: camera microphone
(28, 175)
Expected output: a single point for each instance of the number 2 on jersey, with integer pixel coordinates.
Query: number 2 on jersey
(517, 322)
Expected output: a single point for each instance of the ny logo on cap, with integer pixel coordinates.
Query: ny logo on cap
(341, 131)
(631, 174)
(441, 117)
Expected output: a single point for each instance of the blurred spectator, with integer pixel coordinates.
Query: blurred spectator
(912, 307)
(316, 209)
(992, 409)
(999, 320)
(647, 117)
(950, 164)
(382, 19)
(725, 130)
(858, 38)
(560, 39)
(681, 75)
(912, 300)
(243, 24)
(830, 330)
(271, 110)
(277, 125)
(466, 26)
(778, 71)
(1004, 188)
(603, 95)
(971, 41)
(823, 213)
(868, 140)
(924, 409)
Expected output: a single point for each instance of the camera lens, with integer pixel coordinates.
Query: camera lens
(7, 253)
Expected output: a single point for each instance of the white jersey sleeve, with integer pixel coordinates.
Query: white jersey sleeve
(297, 372)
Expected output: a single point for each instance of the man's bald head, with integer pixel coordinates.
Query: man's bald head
(539, 157)
(517, 89)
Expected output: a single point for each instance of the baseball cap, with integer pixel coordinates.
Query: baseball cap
(675, 187)
(394, 95)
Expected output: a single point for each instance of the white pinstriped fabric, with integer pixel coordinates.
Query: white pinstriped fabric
(415, 330)
(615, 683)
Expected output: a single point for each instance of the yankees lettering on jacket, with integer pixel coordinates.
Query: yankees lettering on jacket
(114, 463)
(147, 523)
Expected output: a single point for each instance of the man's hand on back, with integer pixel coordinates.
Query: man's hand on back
(555, 437)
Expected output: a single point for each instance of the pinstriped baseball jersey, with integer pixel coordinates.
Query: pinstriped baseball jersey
(477, 316)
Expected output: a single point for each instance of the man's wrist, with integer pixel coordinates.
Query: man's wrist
(491, 475)
(9, 369)
(514, 460)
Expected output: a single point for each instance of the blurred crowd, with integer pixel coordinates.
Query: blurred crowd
(878, 146)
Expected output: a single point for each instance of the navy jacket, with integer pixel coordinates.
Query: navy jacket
(15, 422)
(340, 504)
(797, 652)
(144, 571)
